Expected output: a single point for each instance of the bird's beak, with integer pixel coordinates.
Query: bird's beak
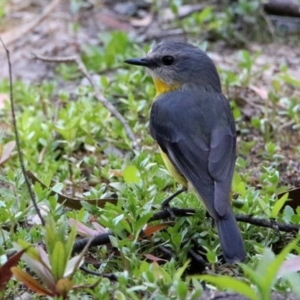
(138, 61)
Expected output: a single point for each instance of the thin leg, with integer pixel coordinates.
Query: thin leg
(166, 203)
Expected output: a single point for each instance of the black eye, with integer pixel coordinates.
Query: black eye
(168, 60)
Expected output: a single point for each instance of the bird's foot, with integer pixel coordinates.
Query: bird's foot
(166, 203)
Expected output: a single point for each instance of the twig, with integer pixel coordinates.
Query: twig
(198, 258)
(165, 251)
(178, 212)
(16, 33)
(103, 238)
(111, 277)
(267, 223)
(97, 94)
(20, 154)
(97, 240)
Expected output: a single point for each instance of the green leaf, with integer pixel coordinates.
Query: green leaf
(70, 242)
(58, 263)
(293, 279)
(131, 175)
(272, 269)
(229, 283)
(181, 270)
(278, 205)
(290, 80)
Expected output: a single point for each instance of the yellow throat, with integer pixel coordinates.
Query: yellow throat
(162, 87)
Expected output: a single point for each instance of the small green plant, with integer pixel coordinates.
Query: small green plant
(262, 276)
(54, 268)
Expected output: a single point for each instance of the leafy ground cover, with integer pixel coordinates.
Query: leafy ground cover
(76, 149)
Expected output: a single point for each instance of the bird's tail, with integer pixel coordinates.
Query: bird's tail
(230, 238)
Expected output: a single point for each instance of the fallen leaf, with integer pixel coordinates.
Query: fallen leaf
(85, 231)
(30, 282)
(154, 258)
(155, 228)
(7, 152)
(261, 92)
(146, 21)
(291, 265)
(72, 202)
(5, 270)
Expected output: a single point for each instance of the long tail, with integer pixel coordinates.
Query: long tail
(230, 238)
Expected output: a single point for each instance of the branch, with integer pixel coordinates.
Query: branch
(267, 223)
(103, 238)
(97, 94)
(20, 154)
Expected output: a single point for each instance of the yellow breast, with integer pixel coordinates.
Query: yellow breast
(172, 170)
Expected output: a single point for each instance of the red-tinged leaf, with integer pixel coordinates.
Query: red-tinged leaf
(155, 228)
(99, 228)
(291, 265)
(261, 92)
(7, 152)
(30, 282)
(81, 229)
(38, 262)
(154, 258)
(5, 272)
(63, 286)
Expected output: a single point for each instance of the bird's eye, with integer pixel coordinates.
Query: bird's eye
(168, 60)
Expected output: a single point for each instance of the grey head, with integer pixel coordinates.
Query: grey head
(180, 64)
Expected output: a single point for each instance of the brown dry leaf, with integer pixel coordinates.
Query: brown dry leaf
(113, 22)
(155, 228)
(154, 258)
(116, 173)
(146, 21)
(72, 202)
(7, 152)
(261, 92)
(30, 282)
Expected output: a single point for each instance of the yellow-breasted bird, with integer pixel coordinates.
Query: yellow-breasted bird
(192, 123)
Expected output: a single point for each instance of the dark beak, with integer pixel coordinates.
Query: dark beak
(138, 61)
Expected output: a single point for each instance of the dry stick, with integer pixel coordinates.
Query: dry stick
(97, 94)
(103, 238)
(111, 277)
(20, 154)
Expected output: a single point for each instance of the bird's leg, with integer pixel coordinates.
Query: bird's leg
(166, 203)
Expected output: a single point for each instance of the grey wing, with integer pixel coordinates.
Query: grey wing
(207, 163)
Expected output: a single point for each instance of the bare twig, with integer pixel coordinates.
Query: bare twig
(16, 33)
(20, 154)
(103, 238)
(97, 94)
(111, 277)
(267, 223)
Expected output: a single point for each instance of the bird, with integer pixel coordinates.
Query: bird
(193, 125)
